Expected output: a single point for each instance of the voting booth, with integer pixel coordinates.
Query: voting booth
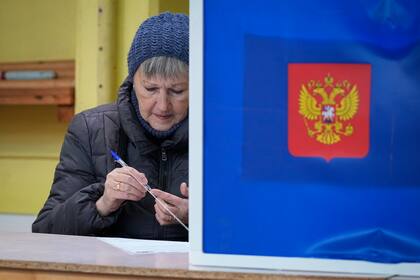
(304, 135)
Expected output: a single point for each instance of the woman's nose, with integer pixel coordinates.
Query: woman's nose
(163, 102)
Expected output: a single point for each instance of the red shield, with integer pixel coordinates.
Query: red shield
(328, 110)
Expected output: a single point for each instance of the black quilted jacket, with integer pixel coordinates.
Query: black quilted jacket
(85, 160)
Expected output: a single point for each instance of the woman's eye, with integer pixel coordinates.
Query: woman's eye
(151, 89)
(176, 92)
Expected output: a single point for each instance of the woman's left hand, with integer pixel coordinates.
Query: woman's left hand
(178, 206)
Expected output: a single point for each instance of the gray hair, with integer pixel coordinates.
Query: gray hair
(163, 66)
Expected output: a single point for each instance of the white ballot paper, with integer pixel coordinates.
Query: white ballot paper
(141, 246)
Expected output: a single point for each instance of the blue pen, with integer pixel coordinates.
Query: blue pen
(118, 159)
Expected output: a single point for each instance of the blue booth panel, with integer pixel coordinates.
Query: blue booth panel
(261, 198)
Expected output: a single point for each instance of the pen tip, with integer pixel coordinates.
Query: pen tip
(115, 155)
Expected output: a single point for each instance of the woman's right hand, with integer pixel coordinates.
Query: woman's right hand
(121, 184)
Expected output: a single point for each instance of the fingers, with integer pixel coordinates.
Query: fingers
(166, 197)
(178, 206)
(121, 184)
(128, 178)
(159, 207)
(138, 177)
(124, 184)
(162, 215)
(127, 192)
(162, 218)
(184, 189)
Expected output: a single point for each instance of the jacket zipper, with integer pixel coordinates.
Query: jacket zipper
(163, 174)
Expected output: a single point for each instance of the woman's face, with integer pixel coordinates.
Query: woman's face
(162, 102)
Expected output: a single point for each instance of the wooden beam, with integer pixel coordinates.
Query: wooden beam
(58, 91)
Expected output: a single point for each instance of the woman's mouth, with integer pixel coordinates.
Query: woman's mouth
(163, 117)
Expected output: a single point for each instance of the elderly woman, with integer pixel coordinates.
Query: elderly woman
(148, 127)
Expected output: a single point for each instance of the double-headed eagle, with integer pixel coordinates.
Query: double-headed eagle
(327, 109)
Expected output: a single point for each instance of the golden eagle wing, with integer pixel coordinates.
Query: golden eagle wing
(308, 106)
(349, 105)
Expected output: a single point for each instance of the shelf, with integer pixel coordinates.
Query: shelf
(58, 91)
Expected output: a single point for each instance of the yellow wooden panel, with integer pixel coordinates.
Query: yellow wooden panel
(176, 6)
(86, 54)
(95, 53)
(31, 136)
(37, 30)
(25, 184)
(30, 131)
(130, 14)
(30, 141)
(106, 55)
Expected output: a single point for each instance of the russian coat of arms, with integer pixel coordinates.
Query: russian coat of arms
(327, 108)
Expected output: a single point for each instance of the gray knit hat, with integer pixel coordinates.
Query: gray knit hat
(166, 34)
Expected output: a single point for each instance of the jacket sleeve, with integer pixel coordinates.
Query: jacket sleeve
(70, 207)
